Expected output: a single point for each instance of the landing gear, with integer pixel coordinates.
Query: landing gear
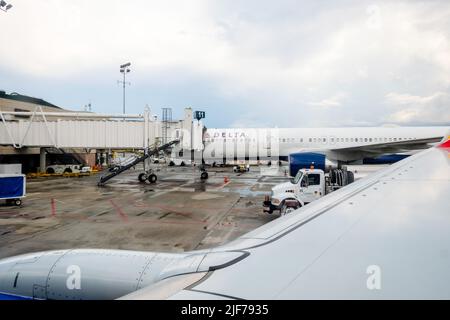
(142, 177)
(152, 178)
(204, 175)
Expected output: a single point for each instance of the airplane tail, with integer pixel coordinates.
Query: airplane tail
(445, 143)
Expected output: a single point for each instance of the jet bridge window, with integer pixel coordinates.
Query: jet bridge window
(313, 179)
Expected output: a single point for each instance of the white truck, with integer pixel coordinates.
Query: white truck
(308, 185)
(67, 168)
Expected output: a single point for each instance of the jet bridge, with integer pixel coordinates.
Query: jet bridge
(87, 130)
(93, 130)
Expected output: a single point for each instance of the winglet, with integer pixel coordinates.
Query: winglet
(445, 144)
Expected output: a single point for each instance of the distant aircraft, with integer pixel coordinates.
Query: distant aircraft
(324, 146)
(385, 236)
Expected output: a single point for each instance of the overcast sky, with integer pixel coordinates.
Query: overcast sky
(247, 63)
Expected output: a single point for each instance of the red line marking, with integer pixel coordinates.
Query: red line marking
(122, 214)
(53, 204)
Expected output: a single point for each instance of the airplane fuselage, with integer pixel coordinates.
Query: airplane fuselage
(267, 143)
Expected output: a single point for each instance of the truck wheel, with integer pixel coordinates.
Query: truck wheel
(50, 171)
(333, 176)
(204, 175)
(285, 210)
(350, 177)
(142, 177)
(171, 164)
(182, 164)
(18, 202)
(68, 170)
(152, 178)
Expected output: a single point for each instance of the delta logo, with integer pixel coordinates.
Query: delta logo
(230, 135)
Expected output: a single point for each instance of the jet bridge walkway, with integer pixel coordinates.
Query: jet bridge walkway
(148, 154)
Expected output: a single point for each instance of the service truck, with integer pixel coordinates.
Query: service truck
(307, 186)
(68, 168)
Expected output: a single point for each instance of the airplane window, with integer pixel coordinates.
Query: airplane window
(324, 139)
(346, 139)
(370, 140)
(356, 139)
(332, 139)
(301, 140)
(313, 179)
(315, 139)
(365, 139)
(284, 140)
(395, 139)
(310, 140)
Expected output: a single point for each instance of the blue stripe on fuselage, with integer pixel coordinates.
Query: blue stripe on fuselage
(5, 297)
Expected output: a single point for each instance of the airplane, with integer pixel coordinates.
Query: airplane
(385, 236)
(326, 147)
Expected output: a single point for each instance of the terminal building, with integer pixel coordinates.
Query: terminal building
(37, 133)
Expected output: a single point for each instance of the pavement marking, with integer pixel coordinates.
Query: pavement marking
(120, 212)
(53, 205)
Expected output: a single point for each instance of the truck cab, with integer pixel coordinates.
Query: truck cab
(307, 186)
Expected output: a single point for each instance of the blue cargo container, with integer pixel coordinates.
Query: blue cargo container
(12, 188)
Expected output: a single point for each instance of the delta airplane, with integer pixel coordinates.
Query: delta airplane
(324, 146)
(385, 236)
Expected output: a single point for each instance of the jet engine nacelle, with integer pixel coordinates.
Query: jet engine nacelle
(304, 160)
(99, 274)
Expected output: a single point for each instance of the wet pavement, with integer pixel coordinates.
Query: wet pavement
(178, 213)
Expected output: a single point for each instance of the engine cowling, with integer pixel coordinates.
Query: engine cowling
(304, 160)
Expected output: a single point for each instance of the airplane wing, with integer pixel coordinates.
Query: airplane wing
(389, 147)
(384, 237)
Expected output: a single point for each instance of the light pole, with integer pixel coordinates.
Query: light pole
(5, 6)
(124, 69)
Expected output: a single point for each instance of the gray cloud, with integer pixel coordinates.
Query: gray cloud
(284, 63)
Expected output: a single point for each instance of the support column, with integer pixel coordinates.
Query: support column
(42, 160)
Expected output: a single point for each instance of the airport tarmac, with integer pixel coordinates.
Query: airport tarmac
(178, 213)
